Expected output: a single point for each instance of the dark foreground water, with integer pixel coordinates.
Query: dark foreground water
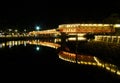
(31, 54)
(41, 62)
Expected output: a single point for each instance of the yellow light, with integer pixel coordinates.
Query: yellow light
(94, 24)
(108, 68)
(117, 25)
(81, 38)
(118, 72)
(106, 25)
(82, 34)
(100, 24)
(90, 24)
(86, 24)
(82, 24)
(112, 70)
(68, 26)
(3, 44)
(94, 63)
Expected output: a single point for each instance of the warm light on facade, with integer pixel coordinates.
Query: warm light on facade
(117, 25)
(87, 28)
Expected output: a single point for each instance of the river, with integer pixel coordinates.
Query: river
(61, 64)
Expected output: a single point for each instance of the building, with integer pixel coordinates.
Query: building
(86, 28)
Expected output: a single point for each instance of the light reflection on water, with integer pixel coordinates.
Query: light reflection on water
(44, 43)
(33, 42)
(37, 48)
(13, 43)
(88, 60)
(67, 56)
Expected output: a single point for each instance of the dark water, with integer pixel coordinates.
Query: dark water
(31, 54)
(43, 62)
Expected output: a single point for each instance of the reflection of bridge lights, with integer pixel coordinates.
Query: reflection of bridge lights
(24, 44)
(37, 48)
(10, 46)
(89, 60)
(0, 45)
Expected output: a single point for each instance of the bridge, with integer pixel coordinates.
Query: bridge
(77, 28)
(45, 33)
(72, 29)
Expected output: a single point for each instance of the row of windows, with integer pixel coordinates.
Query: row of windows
(108, 38)
(87, 30)
(87, 25)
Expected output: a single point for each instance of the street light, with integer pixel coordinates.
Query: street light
(37, 48)
(37, 28)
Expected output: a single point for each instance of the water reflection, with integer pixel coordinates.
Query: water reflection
(37, 48)
(31, 42)
(67, 56)
(88, 60)
(44, 43)
(13, 43)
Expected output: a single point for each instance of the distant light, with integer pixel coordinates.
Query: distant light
(37, 48)
(0, 45)
(117, 25)
(38, 28)
(24, 30)
(24, 44)
(10, 46)
(16, 30)
(10, 29)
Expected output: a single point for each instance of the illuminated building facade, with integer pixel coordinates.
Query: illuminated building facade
(86, 28)
(80, 30)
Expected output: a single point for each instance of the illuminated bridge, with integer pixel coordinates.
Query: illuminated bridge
(79, 30)
(45, 33)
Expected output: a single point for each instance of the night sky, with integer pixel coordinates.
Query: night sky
(49, 14)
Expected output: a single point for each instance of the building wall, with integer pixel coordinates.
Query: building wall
(87, 28)
(107, 38)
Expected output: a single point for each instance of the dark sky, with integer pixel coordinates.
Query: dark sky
(49, 14)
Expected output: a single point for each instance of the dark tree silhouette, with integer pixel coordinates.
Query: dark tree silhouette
(112, 19)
